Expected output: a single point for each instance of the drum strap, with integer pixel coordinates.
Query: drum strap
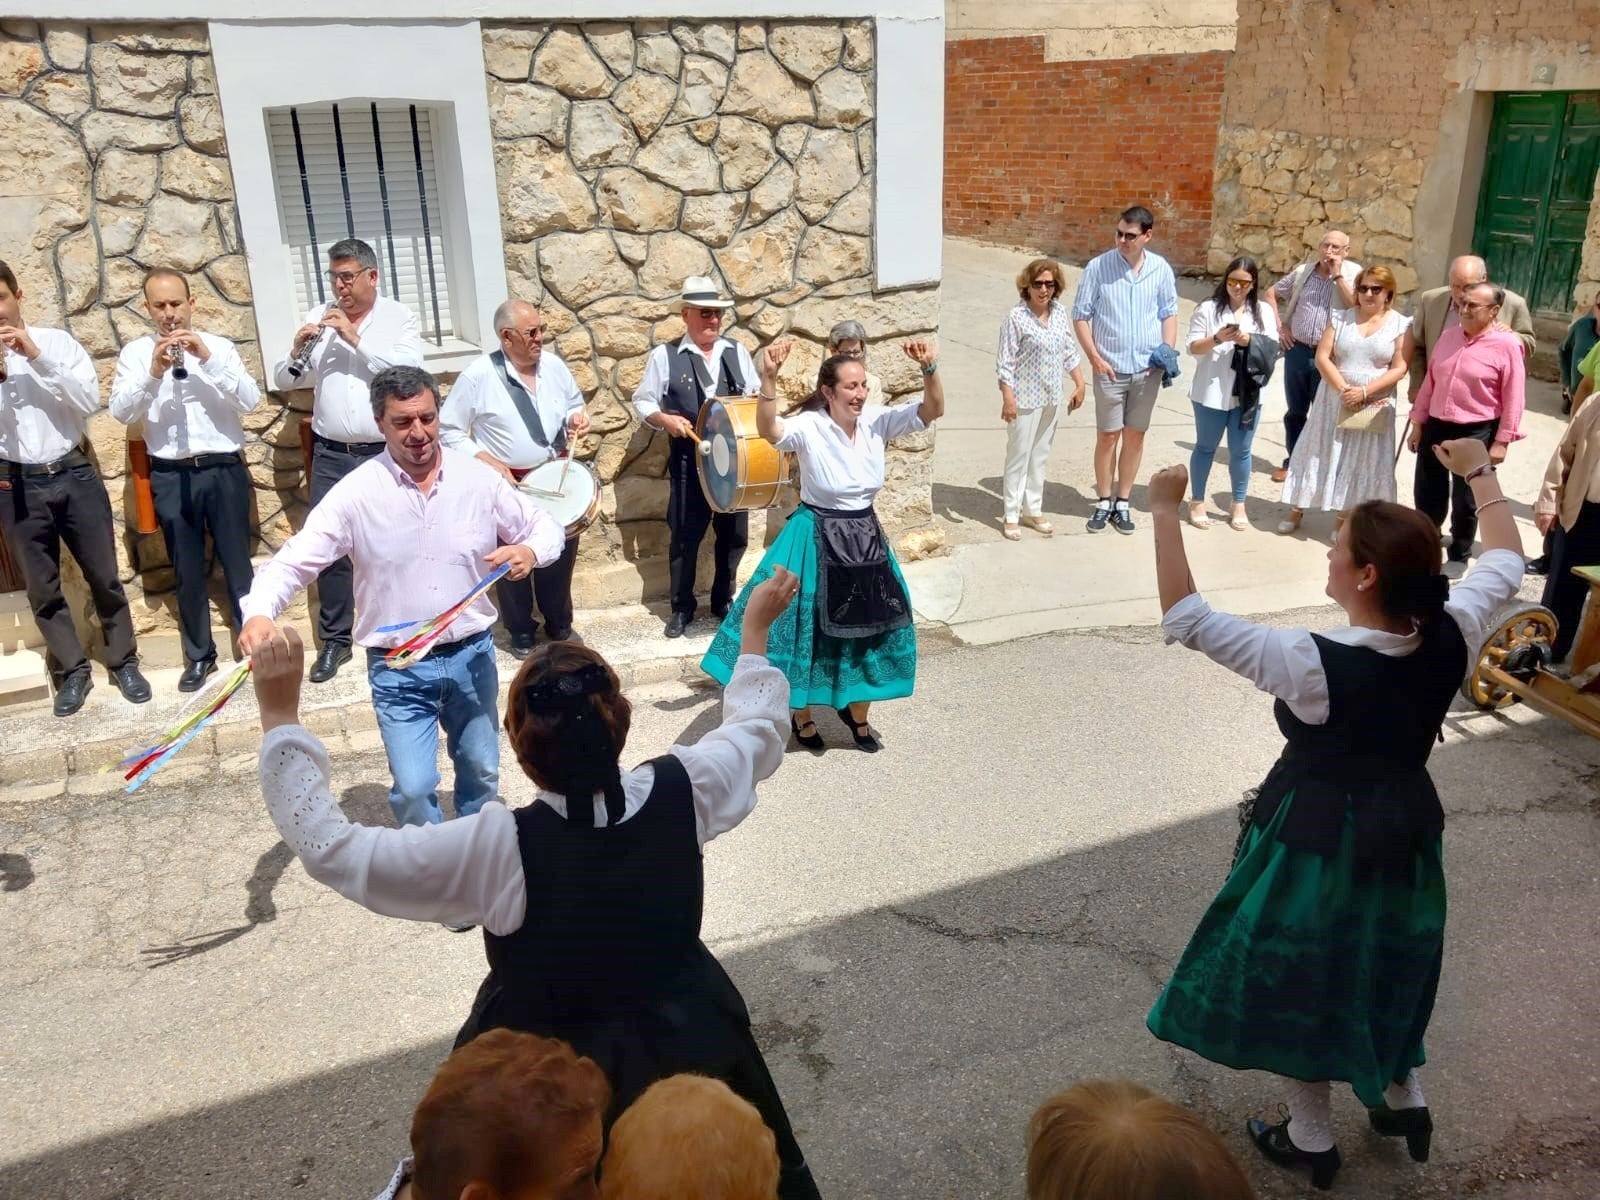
(525, 406)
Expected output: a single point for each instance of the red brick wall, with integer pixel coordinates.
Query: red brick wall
(1046, 154)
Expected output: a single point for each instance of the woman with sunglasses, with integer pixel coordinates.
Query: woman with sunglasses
(1346, 454)
(1232, 320)
(1036, 351)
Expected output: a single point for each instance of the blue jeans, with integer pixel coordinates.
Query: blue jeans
(455, 688)
(1209, 426)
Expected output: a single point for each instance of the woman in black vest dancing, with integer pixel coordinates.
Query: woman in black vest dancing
(1319, 958)
(591, 912)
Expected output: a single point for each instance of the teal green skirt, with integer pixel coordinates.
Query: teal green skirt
(820, 669)
(1300, 969)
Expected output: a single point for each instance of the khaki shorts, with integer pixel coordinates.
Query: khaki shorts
(1126, 402)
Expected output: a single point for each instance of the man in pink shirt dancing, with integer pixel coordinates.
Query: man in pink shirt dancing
(422, 525)
(1475, 387)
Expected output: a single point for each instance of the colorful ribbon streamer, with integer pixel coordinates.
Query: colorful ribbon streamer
(415, 648)
(192, 718)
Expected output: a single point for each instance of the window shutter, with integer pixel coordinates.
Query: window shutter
(355, 198)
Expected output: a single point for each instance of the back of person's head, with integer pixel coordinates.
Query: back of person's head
(568, 720)
(512, 1113)
(1402, 545)
(690, 1138)
(1111, 1139)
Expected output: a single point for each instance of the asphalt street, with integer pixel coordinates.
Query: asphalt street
(931, 940)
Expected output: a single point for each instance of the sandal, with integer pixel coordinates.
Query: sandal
(1292, 522)
(1239, 521)
(1038, 524)
(811, 741)
(1011, 533)
(861, 731)
(1197, 515)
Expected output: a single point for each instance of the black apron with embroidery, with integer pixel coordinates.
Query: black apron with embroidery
(858, 593)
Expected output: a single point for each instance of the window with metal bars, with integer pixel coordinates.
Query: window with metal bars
(364, 169)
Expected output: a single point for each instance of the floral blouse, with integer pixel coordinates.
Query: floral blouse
(1033, 359)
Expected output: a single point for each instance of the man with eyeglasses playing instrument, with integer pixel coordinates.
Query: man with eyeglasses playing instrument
(677, 380)
(353, 337)
(517, 408)
(1474, 387)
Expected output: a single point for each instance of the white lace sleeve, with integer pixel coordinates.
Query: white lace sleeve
(725, 765)
(464, 872)
(1282, 662)
(1493, 580)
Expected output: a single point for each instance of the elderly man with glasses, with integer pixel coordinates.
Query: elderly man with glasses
(1474, 387)
(678, 378)
(353, 337)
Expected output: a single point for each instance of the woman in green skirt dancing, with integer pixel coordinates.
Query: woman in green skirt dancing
(1319, 958)
(848, 639)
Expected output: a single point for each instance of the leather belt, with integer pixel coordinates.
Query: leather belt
(72, 458)
(197, 460)
(358, 449)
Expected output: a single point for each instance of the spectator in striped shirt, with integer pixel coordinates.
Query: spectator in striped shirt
(1126, 306)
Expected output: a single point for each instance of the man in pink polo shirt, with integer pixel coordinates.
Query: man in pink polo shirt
(1475, 387)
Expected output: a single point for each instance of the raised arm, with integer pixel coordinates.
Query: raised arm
(768, 423)
(1173, 580)
(925, 353)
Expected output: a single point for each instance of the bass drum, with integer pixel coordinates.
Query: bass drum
(739, 469)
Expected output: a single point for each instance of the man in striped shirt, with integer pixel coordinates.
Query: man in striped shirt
(1126, 307)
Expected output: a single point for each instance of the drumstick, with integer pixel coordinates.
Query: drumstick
(561, 484)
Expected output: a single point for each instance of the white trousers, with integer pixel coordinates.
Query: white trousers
(1028, 441)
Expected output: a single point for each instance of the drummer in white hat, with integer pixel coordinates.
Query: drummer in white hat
(678, 377)
(517, 408)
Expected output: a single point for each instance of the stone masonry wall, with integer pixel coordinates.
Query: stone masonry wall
(630, 156)
(1042, 153)
(116, 163)
(1332, 116)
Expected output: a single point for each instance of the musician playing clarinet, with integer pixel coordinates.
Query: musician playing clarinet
(848, 639)
(190, 389)
(350, 339)
(516, 408)
(677, 380)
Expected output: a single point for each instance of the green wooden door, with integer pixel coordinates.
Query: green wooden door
(1544, 150)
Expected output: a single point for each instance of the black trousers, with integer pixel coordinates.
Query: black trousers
(688, 518)
(190, 501)
(1300, 380)
(336, 606)
(1564, 592)
(551, 586)
(37, 514)
(1435, 489)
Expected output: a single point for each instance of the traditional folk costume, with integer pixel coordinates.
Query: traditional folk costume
(591, 914)
(848, 636)
(1319, 958)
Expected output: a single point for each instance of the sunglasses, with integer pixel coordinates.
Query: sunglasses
(1048, 284)
(1371, 289)
(1241, 283)
(1124, 236)
(709, 314)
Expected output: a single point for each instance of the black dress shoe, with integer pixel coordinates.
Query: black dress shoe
(677, 623)
(1457, 555)
(1413, 1124)
(130, 683)
(1273, 1142)
(194, 675)
(720, 610)
(1539, 566)
(571, 636)
(333, 656)
(520, 646)
(70, 697)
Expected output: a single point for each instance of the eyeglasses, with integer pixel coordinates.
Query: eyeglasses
(1370, 289)
(1047, 284)
(345, 277)
(533, 335)
(1241, 283)
(709, 314)
(1124, 236)
(1474, 305)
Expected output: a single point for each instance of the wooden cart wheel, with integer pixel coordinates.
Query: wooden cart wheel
(1519, 625)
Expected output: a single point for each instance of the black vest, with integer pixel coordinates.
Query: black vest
(1369, 759)
(684, 393)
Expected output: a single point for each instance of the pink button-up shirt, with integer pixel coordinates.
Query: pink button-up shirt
(1471, 380)
(414, 555)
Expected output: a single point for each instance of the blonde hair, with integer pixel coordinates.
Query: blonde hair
(1381, 276)
(690, 1138)
(1111, 1139)
(1037, 268)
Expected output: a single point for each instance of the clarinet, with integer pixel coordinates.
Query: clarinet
(179, 371)
(302, 359)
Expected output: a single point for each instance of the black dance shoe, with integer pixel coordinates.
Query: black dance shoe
(811, 741)
(860, 732)
(1273, 1142)
(1413, 1124)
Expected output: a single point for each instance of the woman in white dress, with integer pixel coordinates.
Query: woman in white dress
(1346, 454)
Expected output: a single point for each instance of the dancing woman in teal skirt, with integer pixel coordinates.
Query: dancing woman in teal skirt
(1319, 958)
(848, 639)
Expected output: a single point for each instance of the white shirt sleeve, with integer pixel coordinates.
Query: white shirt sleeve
(324, 539)
(900, 419)
(226, 370)
(792, 432)
(652, 388)
(1493, 580)
(1008, 351)
(725, 765)
(747, 368)
(401, 347)
(1200, 322)
(71, 376)
(460, 409)
(133, 388)
(464, 872)
(519, 521)
(1281, 662)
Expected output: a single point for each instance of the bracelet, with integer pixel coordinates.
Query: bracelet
(929, 369)
(764, 396)
(1486, 469)
(1489, 503)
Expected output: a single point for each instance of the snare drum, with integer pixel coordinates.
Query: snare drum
(569, 490)
(739, 469)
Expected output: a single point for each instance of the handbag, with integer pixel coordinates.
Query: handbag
(1370, 416)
